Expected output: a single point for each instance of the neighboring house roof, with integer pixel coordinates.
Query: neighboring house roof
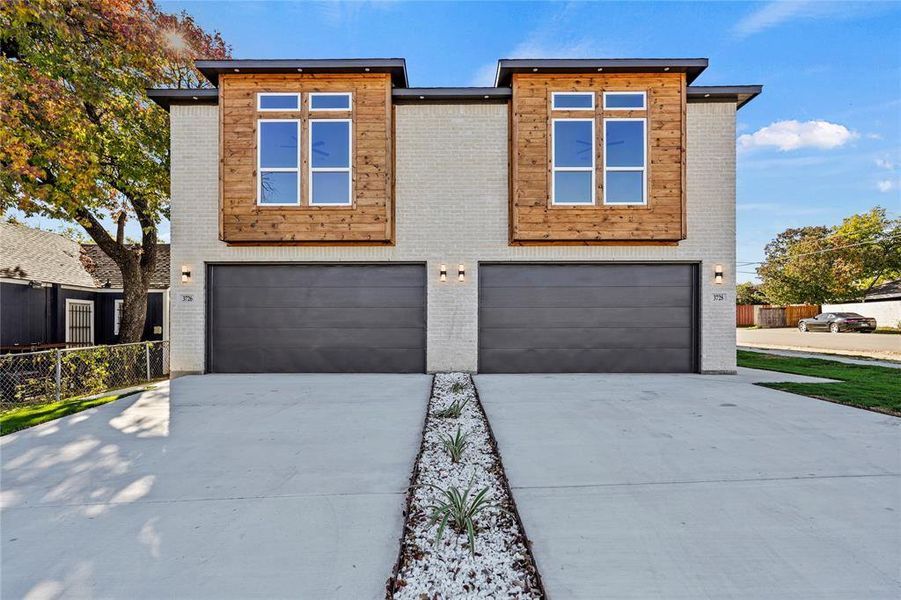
(36, 255)
(890, 290)
(104, 269)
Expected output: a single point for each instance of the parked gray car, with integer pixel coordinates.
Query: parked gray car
(836, 322)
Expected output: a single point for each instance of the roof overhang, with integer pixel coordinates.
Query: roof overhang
(396, 67)
(168, 97)
(450, 94)
(740, 94)
(506, 67)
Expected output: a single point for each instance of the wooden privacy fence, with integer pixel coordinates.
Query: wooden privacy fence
(744, 315)
(766, 316)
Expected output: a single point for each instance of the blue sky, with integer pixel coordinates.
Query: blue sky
(822, 142)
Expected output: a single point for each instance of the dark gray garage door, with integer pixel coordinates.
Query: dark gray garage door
(316, 318)
(630, 318)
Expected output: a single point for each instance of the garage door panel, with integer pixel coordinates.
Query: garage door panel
(585, 317)
(340, 317)
(571, 318)
(296, 318)
(544, 360)
(587, 338)
(305, 276)
(327, 360)
(563, 296)
(330, 337)
(582, 275)
(279, 297)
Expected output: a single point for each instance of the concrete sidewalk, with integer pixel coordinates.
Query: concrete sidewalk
(826, 356)
(697, 486)
(257, 486)
(879, 346)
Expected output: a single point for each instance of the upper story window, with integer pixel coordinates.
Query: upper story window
(330, 162)
(572, 100)
(625, 101)
(625, 161)
(572, 161)
(330, 101)
(278, 162)
(278, 101)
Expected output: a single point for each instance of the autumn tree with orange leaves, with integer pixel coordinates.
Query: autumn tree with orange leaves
(79, 140)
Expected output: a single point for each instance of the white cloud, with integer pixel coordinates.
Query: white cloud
(552, 40)
(792, 135)
(773, 14)
(886, 185)
(884, 163)
(534, 47)
(770, 15)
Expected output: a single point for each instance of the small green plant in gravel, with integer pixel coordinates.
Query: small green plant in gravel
(458, 387)
(454, 409)
(459, 508)
(455, 445)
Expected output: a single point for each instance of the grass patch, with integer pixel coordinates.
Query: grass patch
(23, 417)
(863, 386)
(888, 330)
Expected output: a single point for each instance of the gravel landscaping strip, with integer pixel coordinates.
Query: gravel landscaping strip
(501, 564)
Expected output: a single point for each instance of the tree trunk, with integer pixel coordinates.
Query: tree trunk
(134, 304)
(135, 263)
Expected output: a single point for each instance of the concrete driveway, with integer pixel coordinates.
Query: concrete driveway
(873, 345)
(694, 486)
(257, 486)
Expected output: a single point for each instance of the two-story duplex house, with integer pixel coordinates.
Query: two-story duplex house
(578, 216)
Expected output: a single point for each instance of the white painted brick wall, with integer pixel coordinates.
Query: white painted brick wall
(452, 208)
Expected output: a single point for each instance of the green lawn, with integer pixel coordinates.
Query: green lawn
(14, 419)
(863, 386)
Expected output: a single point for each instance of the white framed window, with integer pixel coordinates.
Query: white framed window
(331, 148)
(80, 322)
(278, 101)
(572, 162)
(572, 100)
(625, 161)
(625, 100)
(278, 162)
(320, 101)
(117, 315)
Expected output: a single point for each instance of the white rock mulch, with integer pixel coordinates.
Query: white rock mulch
(502, 566)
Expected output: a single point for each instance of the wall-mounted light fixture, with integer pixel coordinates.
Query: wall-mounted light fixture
(35, 285)
(718, 274)
(185, 274)
(442, 274)
(461, 273)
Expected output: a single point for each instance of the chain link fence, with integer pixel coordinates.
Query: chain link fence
(52, 375)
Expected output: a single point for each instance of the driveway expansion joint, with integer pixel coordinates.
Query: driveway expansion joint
(700, 481)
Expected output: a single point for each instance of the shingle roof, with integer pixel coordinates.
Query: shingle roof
(36, 255)
(104, 269)
(889, 290)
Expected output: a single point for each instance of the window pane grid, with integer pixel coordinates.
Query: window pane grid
(323, 101)
(625, 183)
(278, 158)
(572, 182)
(331, 151)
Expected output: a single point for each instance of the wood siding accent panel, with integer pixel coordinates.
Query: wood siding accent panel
(368, 221)
(534, 220)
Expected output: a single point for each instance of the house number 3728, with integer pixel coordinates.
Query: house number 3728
(719, 297)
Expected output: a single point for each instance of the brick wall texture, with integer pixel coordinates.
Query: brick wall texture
(451, 195)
